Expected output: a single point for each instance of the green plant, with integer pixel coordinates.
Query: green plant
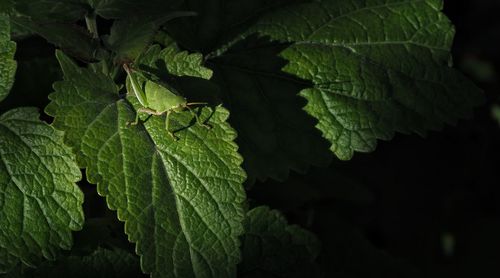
(367, 69)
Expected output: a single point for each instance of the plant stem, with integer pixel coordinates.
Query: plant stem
(90, 20)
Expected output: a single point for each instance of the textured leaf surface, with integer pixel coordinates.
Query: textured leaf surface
(129, 37)
(218, 21)
(378, 67)
(272, 248)
(132, 35)
(181, 200)
(7, 63)
(40, 203)
(71, 37)
(105, 263)
(176, 62)
(275, 134)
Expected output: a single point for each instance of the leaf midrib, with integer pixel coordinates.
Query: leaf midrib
(180, 214)
(39, 159)
(333, 19)
(370, 43)
(389, 69)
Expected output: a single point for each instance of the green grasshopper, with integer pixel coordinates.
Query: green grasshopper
(159, 99)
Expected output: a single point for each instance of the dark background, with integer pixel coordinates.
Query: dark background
(416, 207)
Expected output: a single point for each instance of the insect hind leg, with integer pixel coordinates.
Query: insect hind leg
(198, 120)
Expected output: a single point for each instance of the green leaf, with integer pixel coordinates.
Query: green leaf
(73, 38)
(272, 248)
(7, 62)
(151, 9)
(378, 67)
(6, 6)
(218, 21)
(178, 63)
(275, 134)
(105, 263)
(65, 10)
(100, 262)
(19, 32)
(130, 37)
(181, 200)
(495, 112)
(40, 203)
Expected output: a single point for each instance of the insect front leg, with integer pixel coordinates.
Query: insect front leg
(142, 110)
(167, 125)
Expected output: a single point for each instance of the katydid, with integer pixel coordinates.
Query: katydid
(159, 99)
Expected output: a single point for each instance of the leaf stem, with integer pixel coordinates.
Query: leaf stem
(90, 20)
